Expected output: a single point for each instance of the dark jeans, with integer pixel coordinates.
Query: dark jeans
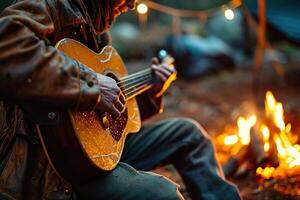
(181, 142)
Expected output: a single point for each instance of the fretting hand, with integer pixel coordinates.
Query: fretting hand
(165, 75)
(112, 99)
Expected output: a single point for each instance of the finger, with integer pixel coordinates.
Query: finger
(122, 98)
(124, 108)
(169, 68)
(155, 61)
(114, 112)
(120, 106)
(163, 71)
(161, 76)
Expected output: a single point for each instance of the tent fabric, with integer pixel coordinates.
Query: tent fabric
(284, 16)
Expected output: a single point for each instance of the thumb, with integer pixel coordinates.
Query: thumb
(155, 61)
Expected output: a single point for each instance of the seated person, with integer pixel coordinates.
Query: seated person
(33, 71)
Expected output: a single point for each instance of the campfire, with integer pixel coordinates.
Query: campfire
(277, 154)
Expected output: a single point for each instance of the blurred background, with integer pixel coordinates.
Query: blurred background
(238, 76)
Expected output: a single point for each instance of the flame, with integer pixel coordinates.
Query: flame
(266, 136)
(266, 172)
(243, 135)
(278, 116)
(287, 152)
(270, 104)
(245, 126)
(275, 134)
(231, 140)
(274, 110)
(289, 155)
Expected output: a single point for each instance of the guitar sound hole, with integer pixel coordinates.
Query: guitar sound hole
(117, 126)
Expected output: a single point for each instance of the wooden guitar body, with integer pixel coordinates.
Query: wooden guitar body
(85, 144)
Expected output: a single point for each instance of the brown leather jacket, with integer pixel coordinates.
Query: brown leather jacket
(35, 77)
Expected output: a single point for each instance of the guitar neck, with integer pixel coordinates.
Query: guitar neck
(137, 83)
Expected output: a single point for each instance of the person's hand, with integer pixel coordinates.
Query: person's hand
(112, 99)
(164, 74)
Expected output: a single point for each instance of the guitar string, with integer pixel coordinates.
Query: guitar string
(137, 91)
(134, 91)
(141, 85)
(132, 79)
(126, 79)
(136, 85)
(148, 70)
(130, 84)
(137, 73)
(135, 78)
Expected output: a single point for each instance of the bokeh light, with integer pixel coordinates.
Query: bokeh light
(142, 8)
(229, 14)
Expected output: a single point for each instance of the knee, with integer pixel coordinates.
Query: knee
(194, 130)
(159, 187)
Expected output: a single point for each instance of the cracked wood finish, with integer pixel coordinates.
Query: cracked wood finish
(81, 145)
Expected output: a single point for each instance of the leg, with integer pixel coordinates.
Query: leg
(126, 183)
(185, 144)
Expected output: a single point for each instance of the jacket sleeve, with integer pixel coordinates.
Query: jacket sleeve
(33, 71)
(149, 106)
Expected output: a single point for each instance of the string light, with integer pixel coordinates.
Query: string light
(194, 13)
(142, 8)
(229, 14)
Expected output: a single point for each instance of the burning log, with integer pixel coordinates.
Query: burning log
(257, 153)
(260, 155)
(251, 156)
(268, 145)
(284, 180)
(234, 162)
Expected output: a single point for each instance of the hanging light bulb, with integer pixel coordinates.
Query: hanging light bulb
(229, 14)
(142, 8)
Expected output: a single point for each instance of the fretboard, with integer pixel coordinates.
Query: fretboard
(137, 83)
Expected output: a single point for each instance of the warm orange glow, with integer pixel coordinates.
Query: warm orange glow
(270, 104)
(266, 136)
(245, 126)
(287, 152)
(266, 146)
(274, 110)
(276, 133)
(266, 172)
(278, 116)
(280, 149)
(231, 140)
(242, 137)
(265, 132)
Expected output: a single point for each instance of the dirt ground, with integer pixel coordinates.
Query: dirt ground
(217, 100)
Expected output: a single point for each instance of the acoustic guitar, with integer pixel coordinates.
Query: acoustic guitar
(82, 145)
